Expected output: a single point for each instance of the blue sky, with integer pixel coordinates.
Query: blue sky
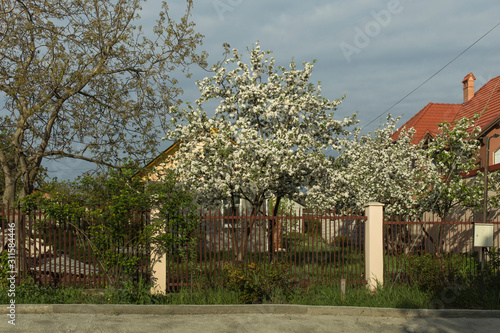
(375, 51)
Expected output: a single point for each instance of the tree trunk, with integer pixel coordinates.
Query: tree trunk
(246, 231)
(277, 235)
(234, 228)
(9, 193)
(275, 231)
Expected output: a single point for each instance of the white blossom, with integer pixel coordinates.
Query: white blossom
(374, 168)
(268, 137)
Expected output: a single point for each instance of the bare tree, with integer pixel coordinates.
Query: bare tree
(80, 79)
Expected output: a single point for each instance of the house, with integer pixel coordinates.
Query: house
(218, 223)
(158, 163)
(485, 102)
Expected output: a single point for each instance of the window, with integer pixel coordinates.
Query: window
(496, 158)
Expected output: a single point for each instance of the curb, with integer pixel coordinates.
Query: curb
(116, 309)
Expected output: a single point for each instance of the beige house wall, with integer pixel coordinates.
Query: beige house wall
(453, 235)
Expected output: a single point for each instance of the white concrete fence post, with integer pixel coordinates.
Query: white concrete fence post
(158, 268)
(374, 253)
(374, 245)
(159, 274)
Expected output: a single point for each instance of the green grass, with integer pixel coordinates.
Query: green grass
(398, 296)
(430, 272)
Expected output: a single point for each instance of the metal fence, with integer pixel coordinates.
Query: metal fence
(62, 252)
(315, 247)
(429, 246)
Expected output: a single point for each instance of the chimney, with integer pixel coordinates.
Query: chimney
(468, 82)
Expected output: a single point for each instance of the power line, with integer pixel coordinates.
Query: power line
(432, 76)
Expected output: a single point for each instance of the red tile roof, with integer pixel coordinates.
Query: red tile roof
(486, 103)
(428, 119)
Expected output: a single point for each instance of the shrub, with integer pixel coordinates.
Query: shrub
(427, 272)
(492, 270)
(342, 241)
(256, 284)
(313, 227)
(4, 269)
(109, 213)
(493, 265)
(295, 239)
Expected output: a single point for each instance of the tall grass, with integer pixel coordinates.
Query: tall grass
(324, 295)
(395, 297)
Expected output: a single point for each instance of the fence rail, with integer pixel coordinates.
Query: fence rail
(60, 252)
(316, 247)
(439, 246)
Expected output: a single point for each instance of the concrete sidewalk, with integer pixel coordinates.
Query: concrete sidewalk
(242, 318)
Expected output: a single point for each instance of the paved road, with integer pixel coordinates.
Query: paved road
(38, 323)
(255, 319)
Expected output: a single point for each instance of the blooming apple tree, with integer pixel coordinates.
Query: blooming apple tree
(373, 167)
(454, 152)
(268, 138)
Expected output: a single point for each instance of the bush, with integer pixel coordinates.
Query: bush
(313, 227)
(132, 292)
(493, 265)
(109, 213)
(294, 239)
(427, 271)
(492, 271)
(342, 241)
(4, 269)
(257, 285)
